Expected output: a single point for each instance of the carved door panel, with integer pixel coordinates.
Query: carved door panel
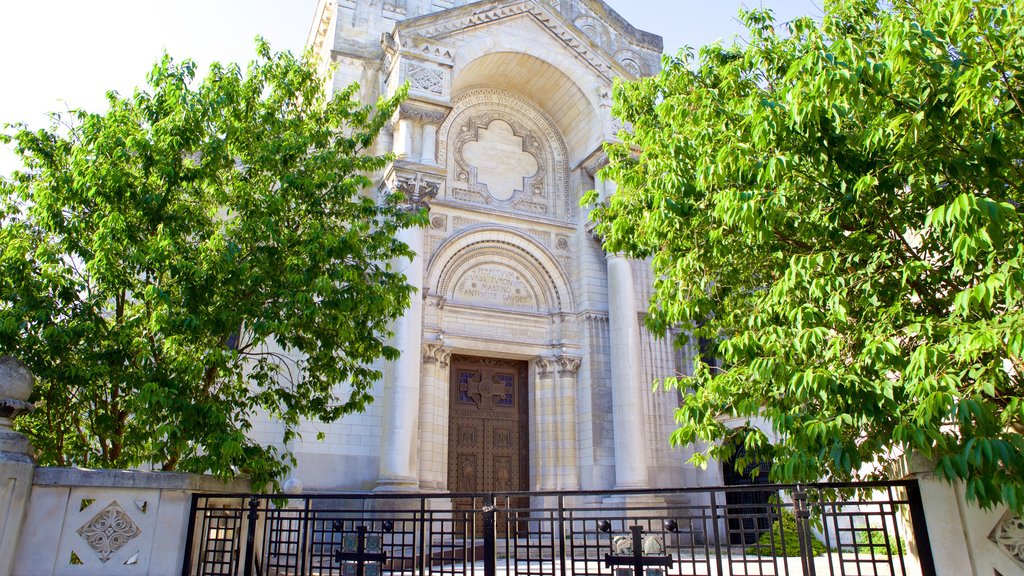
(487, 428)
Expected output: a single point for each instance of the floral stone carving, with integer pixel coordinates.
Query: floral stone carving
(1009, 536)
(109, 531)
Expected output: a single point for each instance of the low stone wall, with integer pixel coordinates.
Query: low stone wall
(111, 522)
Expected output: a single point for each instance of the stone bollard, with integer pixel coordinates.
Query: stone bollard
(16, 463)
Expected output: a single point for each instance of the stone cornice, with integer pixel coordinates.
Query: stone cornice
(440, 25)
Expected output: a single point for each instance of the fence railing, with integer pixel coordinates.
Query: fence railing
(818, 529)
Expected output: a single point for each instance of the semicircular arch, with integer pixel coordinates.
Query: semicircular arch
(500, 260)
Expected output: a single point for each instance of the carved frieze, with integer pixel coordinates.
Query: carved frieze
(429, 115)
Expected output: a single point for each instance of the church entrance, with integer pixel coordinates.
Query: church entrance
(488, 434)
(488, 439)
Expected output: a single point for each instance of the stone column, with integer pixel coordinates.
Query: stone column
(627, 379)
(434, 416)
(403, 138)
(568, 455)
(546, 430)
(429, 149)
(16, 463)
(399, 469)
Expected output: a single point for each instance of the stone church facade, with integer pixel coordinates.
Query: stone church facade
(524, 360)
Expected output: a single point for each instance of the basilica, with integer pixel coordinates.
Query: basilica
(525, 363)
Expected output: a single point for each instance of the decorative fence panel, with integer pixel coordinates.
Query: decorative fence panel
(836, 529)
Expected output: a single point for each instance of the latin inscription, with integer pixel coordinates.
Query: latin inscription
(495, 285)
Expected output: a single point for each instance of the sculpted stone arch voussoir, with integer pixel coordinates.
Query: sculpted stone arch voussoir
(498, 246)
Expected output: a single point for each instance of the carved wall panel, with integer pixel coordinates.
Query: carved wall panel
(501, 150)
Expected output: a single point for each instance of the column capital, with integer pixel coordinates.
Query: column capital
(422, 112)
(417, 189)
(436, 353)
(546, 367)
(568, 365)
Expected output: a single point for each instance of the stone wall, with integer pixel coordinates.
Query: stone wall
(111, 522)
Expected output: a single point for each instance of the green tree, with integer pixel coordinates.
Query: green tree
(833, 207)
(202, 252)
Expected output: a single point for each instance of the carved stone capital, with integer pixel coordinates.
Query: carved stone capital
(422, 112)
(417, 191)
(546, 367)
(568, 365)
(436, 353)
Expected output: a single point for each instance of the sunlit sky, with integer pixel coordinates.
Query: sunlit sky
(61, 54)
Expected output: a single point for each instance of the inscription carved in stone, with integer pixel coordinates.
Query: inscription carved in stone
(495, 285)
(109, 531)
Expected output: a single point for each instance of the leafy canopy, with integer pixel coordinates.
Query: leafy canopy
(201, 253)
(834, 208)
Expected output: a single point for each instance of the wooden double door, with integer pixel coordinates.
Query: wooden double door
(488, 435)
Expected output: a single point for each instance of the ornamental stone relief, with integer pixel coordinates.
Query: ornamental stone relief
(109, 531)
(593, 29)
(426, 79)
(632, 62)
(501, 149)
(1008, 535)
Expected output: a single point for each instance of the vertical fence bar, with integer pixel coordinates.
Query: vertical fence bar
(561, 533)
(716, 531)
(803, 530)
(302, 557)
(490, 538)
(186, 565)
(919, 525)
(424, 545)
(250, 536)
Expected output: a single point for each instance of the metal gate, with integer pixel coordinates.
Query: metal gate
(837, 529)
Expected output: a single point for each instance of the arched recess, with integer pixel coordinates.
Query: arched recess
(548, 77)
(505, 260)
(542, 189)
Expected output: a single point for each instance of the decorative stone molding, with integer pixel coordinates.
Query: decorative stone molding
(542, 12)
(426, 114)
(1008, 535)
(109, 531)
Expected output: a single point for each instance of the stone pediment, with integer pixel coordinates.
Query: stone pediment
(429, 35)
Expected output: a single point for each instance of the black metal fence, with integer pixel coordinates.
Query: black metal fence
(840, 529)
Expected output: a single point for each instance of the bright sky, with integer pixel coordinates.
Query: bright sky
(67, 53)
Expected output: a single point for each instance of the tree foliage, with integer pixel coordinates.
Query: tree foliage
(200, 253)
(834, 206)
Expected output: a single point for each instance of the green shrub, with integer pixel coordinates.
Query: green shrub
(785, 523)
(876, 544)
